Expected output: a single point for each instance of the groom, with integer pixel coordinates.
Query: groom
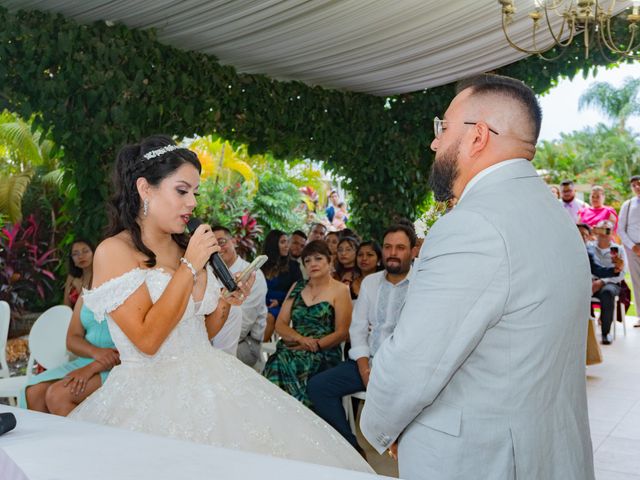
(484, 375)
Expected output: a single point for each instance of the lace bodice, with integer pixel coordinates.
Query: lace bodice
(188, 335)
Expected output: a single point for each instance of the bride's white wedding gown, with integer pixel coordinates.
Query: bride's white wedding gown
(191, 391)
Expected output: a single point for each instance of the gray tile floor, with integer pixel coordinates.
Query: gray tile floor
(613, 391)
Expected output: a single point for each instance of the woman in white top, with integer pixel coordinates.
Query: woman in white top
(162, 305)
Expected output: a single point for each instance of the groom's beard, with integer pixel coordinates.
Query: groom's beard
(444, 172)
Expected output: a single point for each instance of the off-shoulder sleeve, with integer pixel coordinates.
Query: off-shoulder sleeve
(113, 293)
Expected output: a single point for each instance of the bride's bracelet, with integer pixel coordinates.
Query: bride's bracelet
(190, 267)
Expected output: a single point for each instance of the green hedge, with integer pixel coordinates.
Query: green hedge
(98, 87)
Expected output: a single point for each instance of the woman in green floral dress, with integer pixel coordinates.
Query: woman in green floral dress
(313, 323)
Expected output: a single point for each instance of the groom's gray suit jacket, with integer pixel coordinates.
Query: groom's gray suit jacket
(484, 376)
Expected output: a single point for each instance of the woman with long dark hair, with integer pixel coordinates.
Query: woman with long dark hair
(154, 287)
(346, 269)
(80, 270)
(368, 261)
(281, 272)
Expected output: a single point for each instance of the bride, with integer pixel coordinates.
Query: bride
(162, 306)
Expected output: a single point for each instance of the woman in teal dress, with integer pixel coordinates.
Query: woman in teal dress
(313, 323)
(59, 390)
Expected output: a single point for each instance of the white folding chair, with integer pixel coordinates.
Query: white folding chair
(47, 346)
(616, 306)
(5, 319)
(347, 404)
(266, 350)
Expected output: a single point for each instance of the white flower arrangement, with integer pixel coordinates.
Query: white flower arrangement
(428, 218)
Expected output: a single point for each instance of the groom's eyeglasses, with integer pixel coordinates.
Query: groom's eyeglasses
(439, 126)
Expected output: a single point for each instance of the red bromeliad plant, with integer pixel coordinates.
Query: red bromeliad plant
(246, 232)
(24, 264)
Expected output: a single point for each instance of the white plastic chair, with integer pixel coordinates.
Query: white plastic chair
(5, 319)
(47, 346)
(266, 350)
(347, 404)
(617, 306)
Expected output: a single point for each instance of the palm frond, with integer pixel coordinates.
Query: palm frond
(17, 135)
(12, 190)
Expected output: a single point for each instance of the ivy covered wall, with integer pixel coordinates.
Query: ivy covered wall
(97, 87)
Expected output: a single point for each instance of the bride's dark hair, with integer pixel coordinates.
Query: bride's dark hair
(131, 164)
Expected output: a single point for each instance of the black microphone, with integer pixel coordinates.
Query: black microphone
(7, 422)
(218, 265)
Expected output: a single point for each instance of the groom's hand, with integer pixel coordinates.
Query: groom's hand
(393, 450)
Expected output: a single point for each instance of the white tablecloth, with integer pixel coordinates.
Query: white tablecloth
(55, 448)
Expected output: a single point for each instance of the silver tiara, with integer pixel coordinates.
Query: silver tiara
(160, 151)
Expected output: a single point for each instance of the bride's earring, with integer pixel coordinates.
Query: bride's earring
(145, 207)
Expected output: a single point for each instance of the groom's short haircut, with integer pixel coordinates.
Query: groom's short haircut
(509, 88)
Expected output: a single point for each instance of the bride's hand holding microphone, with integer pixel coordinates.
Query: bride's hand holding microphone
(206, 248)
(202, 245)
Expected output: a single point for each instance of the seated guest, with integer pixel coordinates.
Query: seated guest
(604, 253)
(375, 315)
(368, 261)
(280, 272)
(313, 323)
(597, 270)
(80, 271)
(347, 232)
(598, 211)
(296, 243)
(253, 319)
(346, 269)
(332, 239)
(317, 232)
(59, 390)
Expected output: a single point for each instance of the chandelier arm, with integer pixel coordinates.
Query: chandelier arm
(628, 53)
(558, 39)
(540, 51)
(603, 53)
(563, 52)
(611, 44)
(512, 44)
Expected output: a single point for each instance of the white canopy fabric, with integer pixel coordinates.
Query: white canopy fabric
(382, 47)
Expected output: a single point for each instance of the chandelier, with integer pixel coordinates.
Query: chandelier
(564, 20)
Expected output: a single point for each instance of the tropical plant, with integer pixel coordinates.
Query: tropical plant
(618, 104)
(247, 233)
(220, 204)
(26, 264)
(23, 152)
(596, 155)
(275, 204)
(224, 163)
